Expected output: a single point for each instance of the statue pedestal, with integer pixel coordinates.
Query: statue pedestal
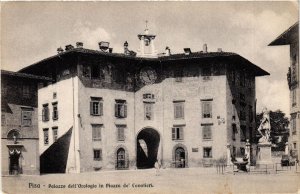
(264, 155)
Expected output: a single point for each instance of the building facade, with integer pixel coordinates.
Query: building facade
(119, 111)
(291, 37)
(19, 122)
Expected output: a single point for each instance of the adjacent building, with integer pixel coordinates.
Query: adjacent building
(291, 37)
(108, 110)
(19, 122)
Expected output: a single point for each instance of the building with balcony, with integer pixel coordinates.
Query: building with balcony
(291, 37)
(108, 110)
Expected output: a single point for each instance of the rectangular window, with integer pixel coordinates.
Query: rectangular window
(148, 96)
(243, 133)
(178, 74)
(179, 110)
(294, 103)
(177, 133)
(206, 132)
(46, 136)
(207, 152)
(121, 109)
(26, 117)
(121, 132)
(293, 125)
(148, 110)
(234, 131)
(55, 133)
(206, 108)
(96, 106)
(26, 91)
(3, 119)
(45, 112)
(97, 154)
(96, 132)
(55, 111)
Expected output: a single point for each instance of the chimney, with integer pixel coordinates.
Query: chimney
(205, 48)
(69, 47)
(187, 51)
(126, 51)
(79, 44)
(103, 45)
(110, 50)
(220, 50)
(168, 51)
(60, 50)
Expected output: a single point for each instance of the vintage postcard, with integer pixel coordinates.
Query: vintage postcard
(150, 97)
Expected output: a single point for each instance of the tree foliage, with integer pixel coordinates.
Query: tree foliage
(279, 127)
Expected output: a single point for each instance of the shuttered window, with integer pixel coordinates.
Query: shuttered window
(148, 109)
(55, 111)
(55, 133)
(121, 109)
(206, 132)
(121, 132)
(177, 133)
(46, 136)
(179, 110)
(45, 112)
(206, 108)
(96, 106)
(26, 119)
(96, 132)
(97, 154)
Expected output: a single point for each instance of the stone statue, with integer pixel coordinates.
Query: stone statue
(265, 127)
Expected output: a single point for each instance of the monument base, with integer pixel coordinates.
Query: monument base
(264, 156)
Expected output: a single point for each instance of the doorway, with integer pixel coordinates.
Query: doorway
(14, 165)
(179, 158)
(147, 148)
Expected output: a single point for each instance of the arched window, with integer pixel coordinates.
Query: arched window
(13, 133)
(121, 158)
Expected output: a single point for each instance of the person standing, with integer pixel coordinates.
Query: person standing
(157, 167)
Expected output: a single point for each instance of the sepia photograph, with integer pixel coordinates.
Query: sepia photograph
(150, 97)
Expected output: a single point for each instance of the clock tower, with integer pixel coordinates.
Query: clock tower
(147, 48)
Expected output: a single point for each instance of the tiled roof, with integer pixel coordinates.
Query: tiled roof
(25, 75)
(282, 38)
(181, 56)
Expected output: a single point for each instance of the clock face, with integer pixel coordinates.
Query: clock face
(148, 75)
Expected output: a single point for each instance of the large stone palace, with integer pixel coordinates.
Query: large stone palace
(106, 110)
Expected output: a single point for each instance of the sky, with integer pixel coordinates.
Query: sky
(32, 31)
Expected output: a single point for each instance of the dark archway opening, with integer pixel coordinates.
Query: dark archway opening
(147, 148)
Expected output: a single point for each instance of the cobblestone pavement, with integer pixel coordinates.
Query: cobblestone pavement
(189, 180)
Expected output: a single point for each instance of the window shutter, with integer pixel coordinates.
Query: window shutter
(116, 110)
(47, 113)
(210, 109)
(173, 133)
(125, 110)
(180, 133)
(100, 108)
(91, 108)
(44, 114)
